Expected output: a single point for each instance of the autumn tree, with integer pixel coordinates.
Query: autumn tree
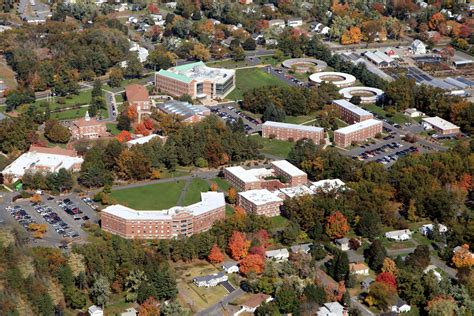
(36, 198)
(381, 295)
(351, 36)
(238, 245)
(252, 263)
(463, 258)
(214, 187)
(215, 255)
(232, 195)
(150, 307)
(389, 266)
(200, 52)
(56, 132)
(441, 305)
(124, 136)
(388, 278)
(336, 225)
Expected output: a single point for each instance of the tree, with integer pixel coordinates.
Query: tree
(124, 136)
(238, 54)
(400, 93)
(100, 290)
(463, 258)
(232, 195)
(133, 282)
(352, 36)
(238, 245)
(338, 267)
(389, 266)
(410, 287)
(442, 306)
(388, 278)
(287, 299)
(375, 255)
(36, 198)
(381, 295)
(214, 187)
(315, 294)
(15, 98)
(174, 309)
(124, 123)
(419, 259)
(150, 307)
(252, 263)
(97, 89)
(200, 52)
(215, 256)
(336, 225)
(56, 132)
(115, 77)
(249, 44)
(134, 67)
(273, 113)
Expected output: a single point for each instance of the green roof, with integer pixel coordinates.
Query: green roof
(189, 66)
(175, 76)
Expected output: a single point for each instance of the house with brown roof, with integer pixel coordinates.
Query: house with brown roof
(137, 95)
(253, 302)
(88, 128)
(359, 268)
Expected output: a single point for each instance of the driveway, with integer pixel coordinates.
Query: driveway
(228, 286)
(219, 308)
(361, 307)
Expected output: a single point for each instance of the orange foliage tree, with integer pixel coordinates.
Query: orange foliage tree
(132, 112)
(387, 278)
(238, 245)
(239, 213)
(36, 198)
(215, 255)
(148, 123)
(352, 36)
(124, 136)
(463, 257)
(141, 129)
(336, 225)
(252, 263)
(232, 195)
(214, 187)
(150, 307)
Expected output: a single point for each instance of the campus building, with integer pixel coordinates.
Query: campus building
(42, 159)
(293, 175)
(137, 95)
(166, 224)
(351, 113)
(242, 179)
(188, 113)
(88, 128)
(345, 136)
(260, 202)
(197, 80)
(440, 125)
(285, 131)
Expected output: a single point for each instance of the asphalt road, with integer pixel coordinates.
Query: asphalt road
(218, 309)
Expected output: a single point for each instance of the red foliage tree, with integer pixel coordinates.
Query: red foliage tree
(336, 225)
(257, 250)
(238, 245)
(124, 136)
(141, 129)
(148, 123)
(215, 255)
(252, 263)
(132, 112)
(387, 278)
(262, 238)
(153, 9)
(150, 307)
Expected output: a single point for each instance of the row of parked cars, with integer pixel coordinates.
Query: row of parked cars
(69, 207)
(21, 216)
(386, 159)
(229, 118)
(54, 220)
(90, 202)
(378, 151)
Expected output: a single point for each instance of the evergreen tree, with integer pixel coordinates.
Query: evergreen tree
(273, 113)
(375, 255)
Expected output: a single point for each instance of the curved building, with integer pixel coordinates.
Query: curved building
(305, 64)
(366, 94)
(339, 79)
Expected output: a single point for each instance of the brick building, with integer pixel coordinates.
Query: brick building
(285, 131)
(137, 95)
(351, 113)
(241, 179)
(197, 80)
(260, 202)
(88, 128)
(173, 223)
(345, 136)
(293, 175)
(440, 125)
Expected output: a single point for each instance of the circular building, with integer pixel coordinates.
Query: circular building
(366, 94)
(339, 79)
(305, 64)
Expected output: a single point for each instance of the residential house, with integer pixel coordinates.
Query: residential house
(342, 243)
(276, 23)
(253, 302)
(365, 284)
(210, 280)
(428, 229)
(417, 47)
(245, 1)
(332, 309)
(413, 112)
(95, 311)
(401, 306)
(278, 254)
(3, 88)
(130, 312)
(270, 5)
(294, 22)
(399, 235)
(231, 266)
(433, 268)
(359, 268)
(302, 248)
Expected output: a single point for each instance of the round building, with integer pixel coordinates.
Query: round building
(339, 79)
(303, 65)
(366, 94)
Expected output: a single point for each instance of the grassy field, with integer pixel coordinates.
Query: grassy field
(229, 210)
(222, 184)
(275, 147)
(299, 119)
(229, 64)
(7, 74)
(194, 189)
(270, 60)
(77, 113)
(248, 79)
(397, 118)
(113, 128)
(179, 172)
(150, 197)
(397, 244)
(279, 221)
(84, 97)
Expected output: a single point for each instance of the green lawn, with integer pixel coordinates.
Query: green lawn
(76, 113)
(113, 128)
(229, 64)
(119, 97)
(150, 197)
(248, 79)
(279, 221)
(270, 60)
(279, 148)
(84, 97)
(194, 189)
(229, 210)
(299, 119)
(397, 118)
(222, 184)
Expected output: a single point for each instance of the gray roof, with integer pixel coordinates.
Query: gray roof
(302, 247)
(210, 277)
(342, 241)
(183, 109)
(229, 264)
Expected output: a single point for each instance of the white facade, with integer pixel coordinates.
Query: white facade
(95, 311)
(418, 47)
(399, 235)
(231, 267)
(413, 112)
(428, 228)
(278, 255)
(210, 280)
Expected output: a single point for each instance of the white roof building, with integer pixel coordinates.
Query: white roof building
(413, 112)
(292, 192)
(242, 174)
(289, 168)
(43, 159)
(144, 139)
(417, 47)
(331, 309)
(95, 311)
(399, 235)
(439, 123)
(351, 107)
(327, 185)
(278, 254)
(209, 201)
(260, 196)
(428, 228)
(358, 126)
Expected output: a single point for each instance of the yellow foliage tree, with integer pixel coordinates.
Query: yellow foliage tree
(36, 198)
(156, 174)
(352, 36)
(463, 258)
(214, 187)
(389, 266)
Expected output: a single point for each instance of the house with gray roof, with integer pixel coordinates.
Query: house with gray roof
(210, 280)
(278, 254)
(302, 248)
(231, 266)
(342, 243)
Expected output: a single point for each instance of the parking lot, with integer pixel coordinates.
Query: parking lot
(63, 216)
(230, 114)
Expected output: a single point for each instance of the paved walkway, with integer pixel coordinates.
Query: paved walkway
(182, 195)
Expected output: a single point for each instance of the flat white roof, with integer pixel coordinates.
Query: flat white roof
(288, 168)
(351, 107)
(327, 185)
(209, 201)
(296, 191)
(242, 174)
(277, 252)
(142, 140)
(260, 196)
(32, 159)
(294, 126)
(358, 126)
(440, 123)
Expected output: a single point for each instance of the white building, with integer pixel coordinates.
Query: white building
(144, 139)
(276, 23)
(417, 47)
(231, 267)
(413, 112)
(43, 159)
(435, 273)
(129, 312)
(441, 126)
(428, 228)
(295, 22)
(332, 309)
(278, 254)
(253, 302)
(328, 185)
(399, 235)
(300, 190)
(359, 268)
(400, 306)
(301, 248)
(342, 243)
(95, 311)
(210, 280)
